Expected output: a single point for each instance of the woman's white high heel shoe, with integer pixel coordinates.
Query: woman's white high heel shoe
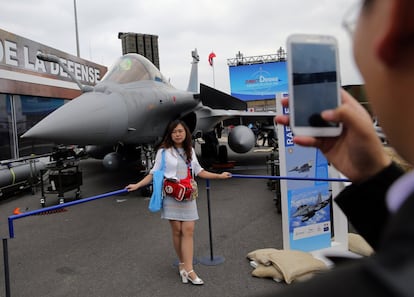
(182, 273)
(196, 281)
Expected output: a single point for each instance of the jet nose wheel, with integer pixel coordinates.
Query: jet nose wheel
(146, 191)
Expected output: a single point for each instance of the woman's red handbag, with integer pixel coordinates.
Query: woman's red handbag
(183, 189)
(174, 188)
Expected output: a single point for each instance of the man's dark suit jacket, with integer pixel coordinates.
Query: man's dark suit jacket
(390, 271)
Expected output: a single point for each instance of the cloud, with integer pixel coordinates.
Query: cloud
(252, 27)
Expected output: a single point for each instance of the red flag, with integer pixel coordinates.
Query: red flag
(210, 58)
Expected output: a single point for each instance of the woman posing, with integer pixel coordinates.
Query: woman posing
(179, 156)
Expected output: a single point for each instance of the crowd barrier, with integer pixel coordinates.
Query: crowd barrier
(34, 212)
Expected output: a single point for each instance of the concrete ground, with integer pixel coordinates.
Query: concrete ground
(114, 247)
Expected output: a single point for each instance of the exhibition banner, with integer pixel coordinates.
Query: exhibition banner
(306, 204)
(259, 81)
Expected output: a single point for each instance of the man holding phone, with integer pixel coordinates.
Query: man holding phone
(380, 201)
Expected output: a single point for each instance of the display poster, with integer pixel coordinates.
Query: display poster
(306, 204)
(259, 81)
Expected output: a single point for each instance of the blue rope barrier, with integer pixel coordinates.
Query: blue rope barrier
(45, 209)
(289, 178)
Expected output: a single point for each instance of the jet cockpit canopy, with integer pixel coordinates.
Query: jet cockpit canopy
(133, 67)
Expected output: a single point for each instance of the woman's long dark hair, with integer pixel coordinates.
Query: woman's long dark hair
(167, 142)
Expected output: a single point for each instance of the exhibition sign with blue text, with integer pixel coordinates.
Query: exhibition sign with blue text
(306, 204)
(258, 81)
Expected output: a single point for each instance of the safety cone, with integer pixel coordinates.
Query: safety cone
(17, 211)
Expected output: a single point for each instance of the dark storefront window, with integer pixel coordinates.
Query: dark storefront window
(5, 128)
(27, 111)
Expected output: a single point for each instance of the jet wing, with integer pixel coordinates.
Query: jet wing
(218, 100)
(208, 118)
(218, 106)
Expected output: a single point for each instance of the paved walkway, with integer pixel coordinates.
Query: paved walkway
(114, 247)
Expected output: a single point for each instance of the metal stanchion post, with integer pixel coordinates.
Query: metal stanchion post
(212, 260)
(6, 267)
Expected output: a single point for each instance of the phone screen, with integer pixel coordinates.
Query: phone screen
(315, 82)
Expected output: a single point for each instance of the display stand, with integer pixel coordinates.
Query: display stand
(60, 179)
(311, 221)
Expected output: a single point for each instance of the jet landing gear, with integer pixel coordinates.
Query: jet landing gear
(147, 162)
(146, 191)
(212, 152)
(272, 162)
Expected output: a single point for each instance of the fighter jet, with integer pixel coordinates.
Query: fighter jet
(303, 168)
(124, 117)
(308, 211)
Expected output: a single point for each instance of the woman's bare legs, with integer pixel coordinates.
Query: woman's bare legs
(176, 236)
(183, 240)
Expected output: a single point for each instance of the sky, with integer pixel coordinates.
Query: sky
(225, 27)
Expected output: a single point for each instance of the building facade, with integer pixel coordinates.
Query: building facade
(31, 88)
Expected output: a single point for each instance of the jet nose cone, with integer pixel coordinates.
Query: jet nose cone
(92, 118)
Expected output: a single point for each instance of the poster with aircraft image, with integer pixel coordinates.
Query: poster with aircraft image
(306, 202)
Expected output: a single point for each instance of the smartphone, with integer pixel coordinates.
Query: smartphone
(314, 83)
